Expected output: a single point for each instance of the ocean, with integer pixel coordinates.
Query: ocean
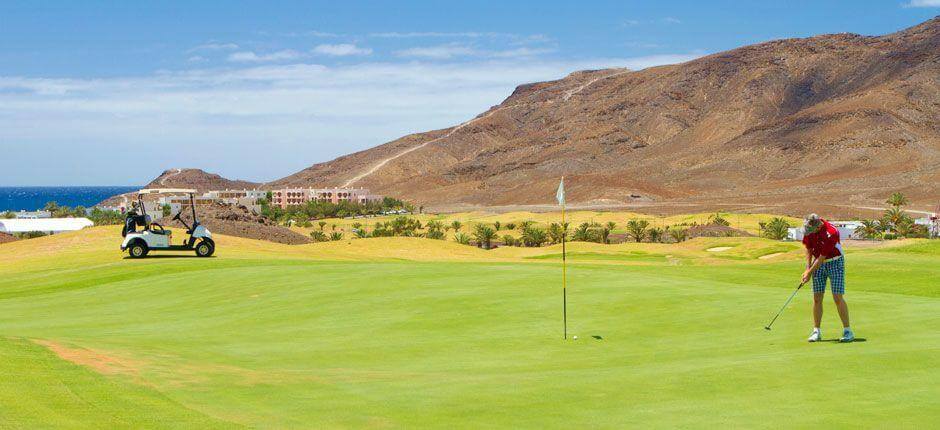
(35, 198)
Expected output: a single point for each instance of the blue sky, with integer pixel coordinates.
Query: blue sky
(95, 93)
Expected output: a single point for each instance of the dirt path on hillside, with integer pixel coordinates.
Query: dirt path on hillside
(382, 163)
(459, 127)
(163, 181)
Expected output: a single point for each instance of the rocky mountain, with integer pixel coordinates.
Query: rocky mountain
(186, 178)
(198, 179)
(835, 118)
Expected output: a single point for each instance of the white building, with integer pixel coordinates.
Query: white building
(932, 224)
(45, 225)
(847, 230)
(32, 214)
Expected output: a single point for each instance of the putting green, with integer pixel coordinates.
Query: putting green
(273, 336)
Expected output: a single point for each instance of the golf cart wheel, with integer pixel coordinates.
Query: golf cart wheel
(138, 250)
(205, 248)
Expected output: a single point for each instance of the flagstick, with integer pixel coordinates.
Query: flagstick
(564, 274)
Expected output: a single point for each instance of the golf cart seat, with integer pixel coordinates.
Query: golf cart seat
(149, 223)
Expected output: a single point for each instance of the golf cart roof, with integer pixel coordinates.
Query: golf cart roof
(166, 191)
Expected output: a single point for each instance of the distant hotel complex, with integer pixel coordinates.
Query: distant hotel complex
(299, 196)
(279, 197)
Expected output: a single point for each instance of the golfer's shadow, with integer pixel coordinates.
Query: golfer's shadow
(857, 339)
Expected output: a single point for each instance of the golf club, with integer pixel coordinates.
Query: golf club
(784, 306)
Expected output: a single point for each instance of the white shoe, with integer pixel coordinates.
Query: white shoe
(815, 337)
(847, 336)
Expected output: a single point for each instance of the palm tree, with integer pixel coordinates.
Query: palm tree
(336, 235)
(777, 228)
(456, 226)
(678, 234)
(605, 235)
(637, 229)
(322, 224)
(582, 233)
(524, 225)
(718, 219)
(484, 235)
(534, 237)
(435, 230)
(904, 228)
(461, 238)
(897, 200)
(871, 229)
(496, 225)
(895, 217)
(656, 234)
(556, 232)
(319, 236)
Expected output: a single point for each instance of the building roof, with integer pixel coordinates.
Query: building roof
(44, 224)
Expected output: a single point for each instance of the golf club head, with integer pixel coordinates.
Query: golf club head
(767, 328)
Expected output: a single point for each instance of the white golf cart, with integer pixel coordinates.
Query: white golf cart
(154, 237)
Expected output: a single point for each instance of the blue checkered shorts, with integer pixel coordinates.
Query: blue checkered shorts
(834, 271)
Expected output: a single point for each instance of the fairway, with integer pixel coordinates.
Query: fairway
(377, 333)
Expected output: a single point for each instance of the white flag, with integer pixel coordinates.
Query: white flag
(560, 195)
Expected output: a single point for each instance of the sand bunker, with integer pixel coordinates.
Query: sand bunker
(719, 249)
(769, 256)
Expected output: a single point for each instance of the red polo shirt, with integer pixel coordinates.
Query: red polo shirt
(824, 241)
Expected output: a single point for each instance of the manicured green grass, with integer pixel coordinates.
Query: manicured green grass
(288, 343)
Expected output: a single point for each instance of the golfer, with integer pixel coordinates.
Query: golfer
(825, 260)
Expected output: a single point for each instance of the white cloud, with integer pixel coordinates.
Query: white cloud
(214, 47)
(520, 52)
(314, 33)
(196, 59)
(455, 50)
(440, 52)
(923, 3)
(257, 122)
(341, 50)
(434, 34)
(251, 57)
(630, 23)
(642, 45)
(671, 20)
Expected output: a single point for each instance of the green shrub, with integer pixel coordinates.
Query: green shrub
(678, 234)
(29, 234)
(534, 237)
(557, 232)
(638, 229)
(484, 234)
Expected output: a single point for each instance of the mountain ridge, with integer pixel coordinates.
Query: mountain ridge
(837, 116)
